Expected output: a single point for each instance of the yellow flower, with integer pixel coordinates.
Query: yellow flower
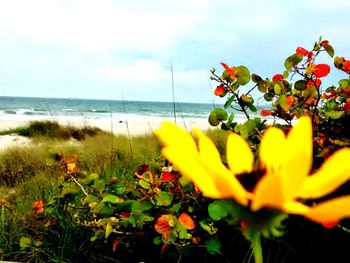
(286, 161)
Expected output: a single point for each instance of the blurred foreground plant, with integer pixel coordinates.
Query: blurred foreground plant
(266, 190)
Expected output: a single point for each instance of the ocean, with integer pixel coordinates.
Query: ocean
(57, 108)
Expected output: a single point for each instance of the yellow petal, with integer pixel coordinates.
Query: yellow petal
(190, 168)
(268, 193)
(170, 134)
(240, 158)
(333, 173)
(330, 211)
(298, 157)
(224, 180)
(272, 150)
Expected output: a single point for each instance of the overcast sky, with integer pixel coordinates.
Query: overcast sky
(106, 49)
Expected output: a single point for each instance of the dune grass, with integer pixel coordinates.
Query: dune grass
(29, 173)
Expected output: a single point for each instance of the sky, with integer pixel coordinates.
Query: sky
(118, 49)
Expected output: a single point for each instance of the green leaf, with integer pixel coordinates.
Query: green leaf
(144, 184)
(157, 240)
(213, 245)
(263, 85)
(70, 190)
(333, 114)
(175, 208)
(269, 96)
(329, 49)
(282, 101)
(243, 75)
(99, 185)
(208, 226)
(252, 107)
(103, 209)
(139, 207)
(229, 102)
(230, 118)
(344, 83)
(219, 209)
(216, 116)
(113, 199)
(256, 78)
(300, 85)
(25, 242)
(164, 198)
(90, 198)
(277, 89)
(109, 230)
(90, 179)
(292, 61)
(285, 74)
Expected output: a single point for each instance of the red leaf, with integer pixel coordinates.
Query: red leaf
(330, 224)
(314, 82)
(321, 70)
(302, 51)
(324, 43)
(347, 105)
(310, 54)
(115, 244)
(167, 176)
(289, 100)
(266, 113)
(277, 77)
(220, 90)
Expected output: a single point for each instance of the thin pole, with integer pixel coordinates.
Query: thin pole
(173, 88)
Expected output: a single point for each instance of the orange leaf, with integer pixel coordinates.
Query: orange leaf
(187, 221)
(38, 207)
(230, 71)
(163, 225)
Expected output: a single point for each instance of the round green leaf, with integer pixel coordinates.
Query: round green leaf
(292, 61)
(256, 78)
(300, 85)
(268, 96)
(216, 116)
(243, 75)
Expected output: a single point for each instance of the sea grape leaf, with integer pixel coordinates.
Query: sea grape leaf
(109, 230)
(208, 226)
(113, 199)
(25, 242)
(256, 78)
(175, 208)
(268, 96)
(292, 61)
(243, 75)
(90, 198)
(144, 184)
(103, 210)
(300, 85)
(164, 198)
(277, 89)
(213, 245)
(229, 102)
(216, 116)
(333, 114)
(219, 209)
(329, 49)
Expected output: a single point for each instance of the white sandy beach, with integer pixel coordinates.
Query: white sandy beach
(130, 127)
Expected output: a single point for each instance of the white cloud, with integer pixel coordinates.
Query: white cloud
(94, 24)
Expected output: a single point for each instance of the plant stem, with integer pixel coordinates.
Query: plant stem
(255, 243)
